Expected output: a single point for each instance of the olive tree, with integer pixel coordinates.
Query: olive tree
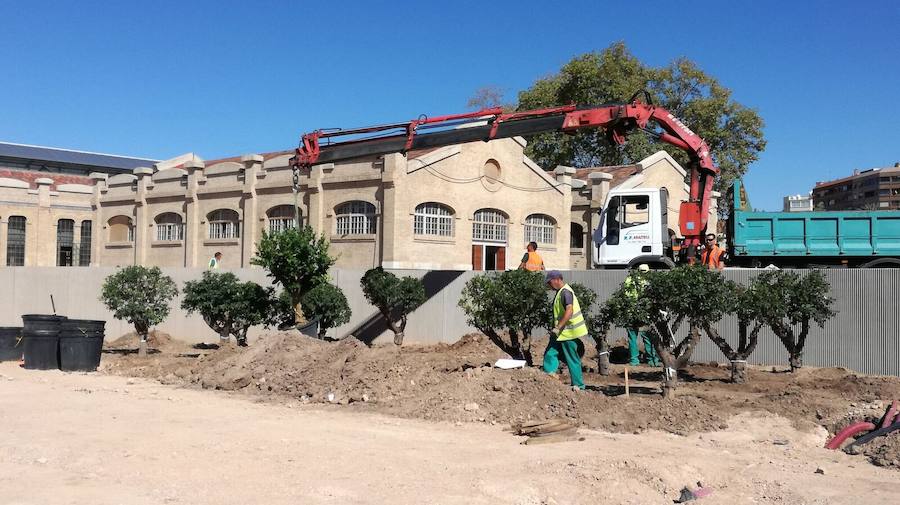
(791, 302)
(748, 305)
(228, 306)
(512, 302)
(394, 297)
(327, 303)
(140, 296)
(298, 260)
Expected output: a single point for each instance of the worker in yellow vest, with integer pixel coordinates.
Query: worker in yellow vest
(532, 261)
(568, 327)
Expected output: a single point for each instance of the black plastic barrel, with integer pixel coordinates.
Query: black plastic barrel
(41, 338)
(10, 343)
(80, 345)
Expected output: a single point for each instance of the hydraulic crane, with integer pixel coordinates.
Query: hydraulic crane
(617, 121)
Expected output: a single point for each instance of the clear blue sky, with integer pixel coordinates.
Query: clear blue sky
(223, 78)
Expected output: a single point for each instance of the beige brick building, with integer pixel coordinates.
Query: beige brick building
(461, 207)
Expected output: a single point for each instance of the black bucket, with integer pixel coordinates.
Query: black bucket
(80, 345)
(11, 344)
(41, 338)
(310, 329)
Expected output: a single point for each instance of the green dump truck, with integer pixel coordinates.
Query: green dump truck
(865, 239)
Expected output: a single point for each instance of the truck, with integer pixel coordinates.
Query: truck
(633, 229)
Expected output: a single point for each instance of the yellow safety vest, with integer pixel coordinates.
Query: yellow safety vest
(576, 326)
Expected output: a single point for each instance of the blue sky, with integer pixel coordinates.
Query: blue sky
(223, 78)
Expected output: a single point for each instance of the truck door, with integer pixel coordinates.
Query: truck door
(625, 230)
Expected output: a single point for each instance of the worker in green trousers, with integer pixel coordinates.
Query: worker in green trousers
(569, 326)
(634, 286)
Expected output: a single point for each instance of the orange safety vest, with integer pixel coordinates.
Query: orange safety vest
(712, 258)
(534, 263)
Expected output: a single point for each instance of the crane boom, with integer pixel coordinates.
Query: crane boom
(616, 120)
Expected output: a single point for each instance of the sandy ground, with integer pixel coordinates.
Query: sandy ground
(96, 439)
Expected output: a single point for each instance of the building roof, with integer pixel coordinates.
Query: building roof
(68, 157)
(620, 173)
(872, 172)
(30, 176)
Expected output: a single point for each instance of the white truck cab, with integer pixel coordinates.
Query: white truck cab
(633, 228)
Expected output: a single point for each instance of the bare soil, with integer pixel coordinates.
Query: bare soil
(457, 383)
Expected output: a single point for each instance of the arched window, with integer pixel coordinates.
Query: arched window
(576, 236)
(15, 241)
(120, 229)
(224, 224)
(169, 227)
(84, 244)
(489, 225)
(433, 219)
(281, 218)
(540, 228)
(65, 242)
(355, 218)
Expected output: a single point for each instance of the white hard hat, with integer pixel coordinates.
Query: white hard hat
(643, 267)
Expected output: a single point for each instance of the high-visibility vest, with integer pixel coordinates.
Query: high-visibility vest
(213, 263)
(633, 289)
(712, 258)
(534, 263)
(575, 326)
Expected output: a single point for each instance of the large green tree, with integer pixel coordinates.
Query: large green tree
(732, 130)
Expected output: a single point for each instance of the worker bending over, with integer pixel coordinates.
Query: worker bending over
(713, 256)
(568, 327)
(532, 261)
(634, 289)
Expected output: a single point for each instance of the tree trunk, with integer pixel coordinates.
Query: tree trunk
(602, 355)
(142, 347)
(796, 361)
(398, 338)
(738, 371)
(143, 333)
(299, 317)
(670, 381)
(224, 336)
(526, 348)
(242, 340)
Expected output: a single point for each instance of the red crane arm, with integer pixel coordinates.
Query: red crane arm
(488, 124)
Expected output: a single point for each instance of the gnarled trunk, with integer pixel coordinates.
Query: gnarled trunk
(739, 371)
(673, 357)
(299, 317)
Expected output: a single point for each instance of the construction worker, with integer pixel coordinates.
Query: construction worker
(568, 327)
(634, 288)
(214, 261)
(712, 256)
(532, 261)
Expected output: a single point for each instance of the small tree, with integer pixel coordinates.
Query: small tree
(298, 260)
(141, 296)
(789, 301)
(327, 303)
(594, 319)
(228, 306)
(394, 297)
(748, 305)
(514, 301)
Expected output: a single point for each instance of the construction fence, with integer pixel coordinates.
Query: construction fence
(863, 336)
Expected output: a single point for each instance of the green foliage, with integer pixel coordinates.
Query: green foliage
(732, 131)
(327, 303)
(297, 259)
(394, 297)
(692, 293)
(513, 301)
(227, 305)
(139, 295)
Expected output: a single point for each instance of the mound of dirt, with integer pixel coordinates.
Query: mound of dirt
(458, 383)
(155, 339)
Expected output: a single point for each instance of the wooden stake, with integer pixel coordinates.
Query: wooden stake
(626, 381)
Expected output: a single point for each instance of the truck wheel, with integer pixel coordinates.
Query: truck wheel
(882, 263)
(654, 262)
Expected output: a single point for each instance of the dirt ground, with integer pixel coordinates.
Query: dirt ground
(456, 383)
(101, 440)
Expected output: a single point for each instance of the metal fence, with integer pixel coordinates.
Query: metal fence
(863, 336)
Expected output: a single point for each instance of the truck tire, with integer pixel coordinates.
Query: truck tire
(655, 262)
(882, 263)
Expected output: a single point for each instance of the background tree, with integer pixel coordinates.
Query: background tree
(141, 296)
(487, 97)
(394, 297)
(733, 131)
(227, 305)
(514, 302)
(791, 301)
(327, 303)
(748, 306)
(298, 260)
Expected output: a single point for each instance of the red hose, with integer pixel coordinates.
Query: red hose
(889, 415)
(847, 432)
